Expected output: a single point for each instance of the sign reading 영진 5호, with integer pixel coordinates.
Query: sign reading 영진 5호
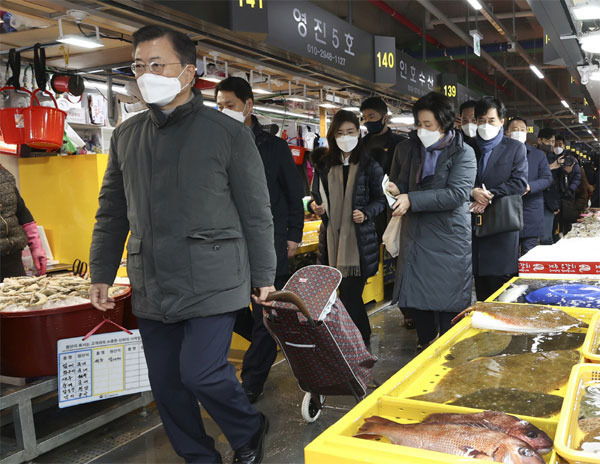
(307, 30)
(384, 51)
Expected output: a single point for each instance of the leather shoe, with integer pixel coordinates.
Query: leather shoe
(252, 452)
(253, 396)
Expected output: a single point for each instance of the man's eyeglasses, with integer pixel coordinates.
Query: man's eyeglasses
(154, 68)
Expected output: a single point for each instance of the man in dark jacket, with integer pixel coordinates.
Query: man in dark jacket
(468, 123)
(546, 140)
(569, 177)
(187, 181)
(501, 171)
(234, 97)
(539, 179)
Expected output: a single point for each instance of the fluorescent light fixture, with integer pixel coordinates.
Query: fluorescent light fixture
(403, 119)
(210, 104)
(328, 105)
(102, 86)
(564, 103)
(475, 4)
(586, 12)
(536, 71)
(260, 91)
(351, 108)
(285, 113)
(297, 98)
(591, 133)
(212, 78)
(79, 40)
(590, 42)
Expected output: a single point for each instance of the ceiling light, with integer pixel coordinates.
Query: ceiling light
(102, 86)
(586, 12)
(590, 42)
(260, 91)
(216, 79)
(475, 4)
(210, 104)
(285, 113)
(351, 108)
(403, 119)
(591, 133)
(297, 98)
(536, 71)
(79, 40)
(564, 103)
(328, 105)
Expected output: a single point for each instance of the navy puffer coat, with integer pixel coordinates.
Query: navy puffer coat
(367, 197)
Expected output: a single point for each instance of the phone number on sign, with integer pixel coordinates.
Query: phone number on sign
(325, 54)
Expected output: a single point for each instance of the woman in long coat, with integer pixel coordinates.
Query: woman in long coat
(433, 173)
(347, 194)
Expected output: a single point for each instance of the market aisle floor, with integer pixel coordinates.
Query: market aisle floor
(140, 438)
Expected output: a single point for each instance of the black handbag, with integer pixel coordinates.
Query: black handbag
(505, 214)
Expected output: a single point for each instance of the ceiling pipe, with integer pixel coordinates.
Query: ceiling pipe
(518, 14)
(490, 48)
(383, 6)
(468, 40)
(493, 20)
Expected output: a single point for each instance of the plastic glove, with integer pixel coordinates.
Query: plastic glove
(35, 246)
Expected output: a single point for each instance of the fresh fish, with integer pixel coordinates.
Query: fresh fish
(460, 440)
(534, 343)
(523, 318)
(511, 400)
(537, 372)
(512, 293)
(477, 346)
(499, 422)
(591, 442)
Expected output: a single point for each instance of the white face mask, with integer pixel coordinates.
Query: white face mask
(487, 131)
(347, 143)
(428, 137)
(159, 90)
(237, 115)
(558, 150)
(518, 135)
(470, 129)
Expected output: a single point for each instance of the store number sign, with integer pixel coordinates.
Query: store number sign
(307, 30)
(248, 16)
(385, 59)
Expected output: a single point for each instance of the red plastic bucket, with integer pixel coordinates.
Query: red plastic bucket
(45, 125)
(28, 338)
(12, 121)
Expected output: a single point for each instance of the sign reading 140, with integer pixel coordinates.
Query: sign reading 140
(385, 60)
(251, 3)
(450, 91)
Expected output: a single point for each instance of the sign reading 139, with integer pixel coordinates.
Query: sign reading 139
(251, 3)
(450, 91)
(385, 60)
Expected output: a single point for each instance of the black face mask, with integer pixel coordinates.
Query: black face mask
(375, 127)
(545, 147)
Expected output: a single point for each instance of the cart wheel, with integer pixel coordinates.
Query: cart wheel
(312, 407)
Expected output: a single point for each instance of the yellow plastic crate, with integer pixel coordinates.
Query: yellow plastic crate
(592, 341)
(568, 435)
(338, 445)
(390, 400)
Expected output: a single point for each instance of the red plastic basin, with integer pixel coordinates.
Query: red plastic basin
(28, 338)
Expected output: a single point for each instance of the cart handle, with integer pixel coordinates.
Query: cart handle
(289, 297)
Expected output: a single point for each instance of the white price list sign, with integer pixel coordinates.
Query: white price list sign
(102, 366)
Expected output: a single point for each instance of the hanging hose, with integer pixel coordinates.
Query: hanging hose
(14, 63)
(39, 65)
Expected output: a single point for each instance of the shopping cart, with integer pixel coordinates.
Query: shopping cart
(318, 338)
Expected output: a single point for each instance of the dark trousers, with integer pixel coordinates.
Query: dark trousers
(527, 243)
(351, 290)
(11, 265)
(187, 363)
(430, 323)
(486, 286)
(262, 352)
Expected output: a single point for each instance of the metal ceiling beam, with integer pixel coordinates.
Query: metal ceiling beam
(428, 5)
(462, 19)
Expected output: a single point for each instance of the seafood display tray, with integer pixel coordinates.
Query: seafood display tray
(592, 341)
(568, 435)
(28, 338)
(391, 400)
(538, 282)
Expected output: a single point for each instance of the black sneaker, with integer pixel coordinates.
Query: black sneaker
(253, 396)
(252, 452)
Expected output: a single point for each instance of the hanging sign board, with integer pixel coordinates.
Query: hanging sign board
(413, 77)
(102, 366)
(476, 41)
(309, 31)
(248, 16)
(384, 50)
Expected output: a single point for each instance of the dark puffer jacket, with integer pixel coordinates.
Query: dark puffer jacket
(367, 197)
(13, 214)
